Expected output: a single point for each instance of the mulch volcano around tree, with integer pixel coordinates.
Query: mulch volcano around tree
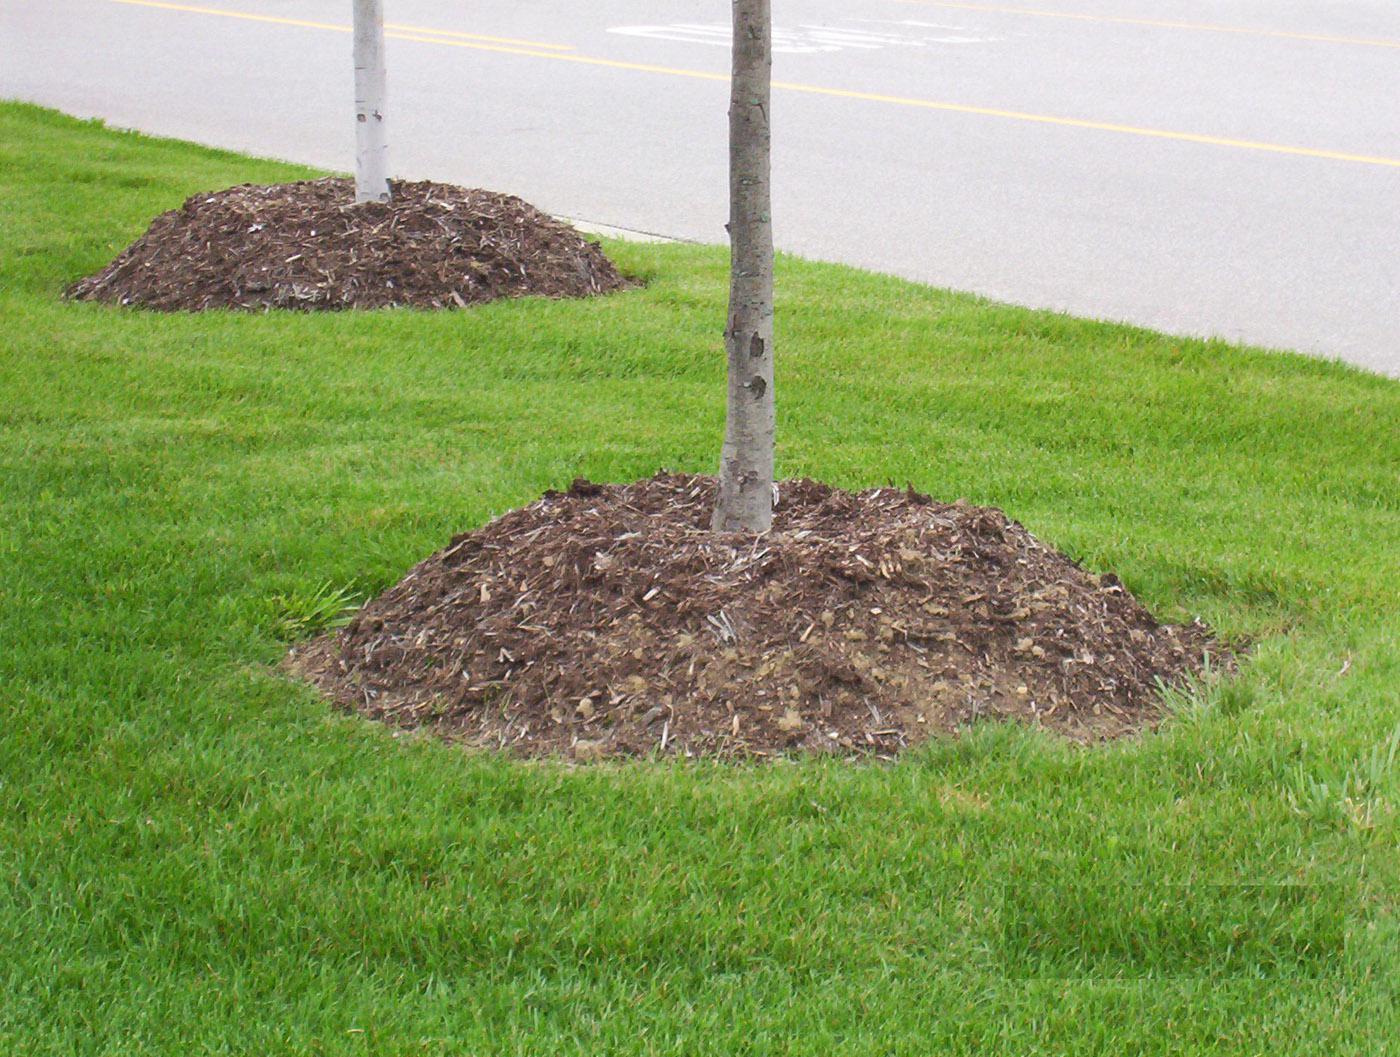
(308, 246)
(608, 620)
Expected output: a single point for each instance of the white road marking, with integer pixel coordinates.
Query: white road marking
(804, 39)
(784, 42)
(959, 39)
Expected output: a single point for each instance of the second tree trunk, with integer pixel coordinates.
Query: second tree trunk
(371, 137)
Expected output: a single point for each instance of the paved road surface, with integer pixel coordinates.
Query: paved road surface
(1228, 168)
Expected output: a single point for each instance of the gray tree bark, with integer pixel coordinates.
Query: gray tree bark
(371, 137)
(745, 501)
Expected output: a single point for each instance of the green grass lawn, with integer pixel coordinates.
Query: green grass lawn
(197, 856)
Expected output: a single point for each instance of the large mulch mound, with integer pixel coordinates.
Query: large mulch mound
(309, 246)
(609, 620)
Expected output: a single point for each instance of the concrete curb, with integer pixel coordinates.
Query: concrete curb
(608, 231)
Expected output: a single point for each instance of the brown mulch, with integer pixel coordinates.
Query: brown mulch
(608, 620)
(309, 246)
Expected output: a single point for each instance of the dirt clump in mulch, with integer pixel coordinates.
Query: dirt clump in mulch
(608, 620)
(309, 246)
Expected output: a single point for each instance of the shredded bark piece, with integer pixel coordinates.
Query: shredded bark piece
(608, 620)
(308, 246)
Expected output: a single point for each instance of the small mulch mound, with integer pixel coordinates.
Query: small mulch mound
(608, 620)
(309, 246)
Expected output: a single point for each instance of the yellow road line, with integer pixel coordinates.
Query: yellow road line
(1101, 126)
(1204, 27)
(335, 26)
(842, 93)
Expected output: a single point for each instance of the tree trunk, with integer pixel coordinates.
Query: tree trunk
(371, 139)
(745, 501)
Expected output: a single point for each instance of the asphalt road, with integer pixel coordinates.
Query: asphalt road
(1223, 168)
